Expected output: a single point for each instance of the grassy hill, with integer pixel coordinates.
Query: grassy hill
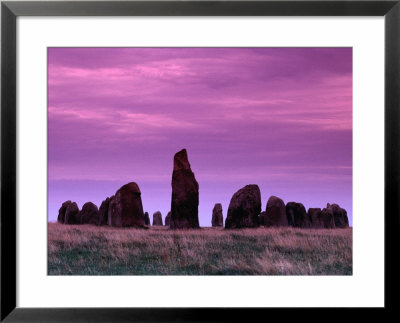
(91, 250)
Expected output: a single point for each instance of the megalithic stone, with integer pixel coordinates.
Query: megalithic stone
(157, 218)
(297, 215)
(61, 211)
(217, 219)
(185, 194)
(126, 209)
(275, 213)
(168, 219)
(146, 218)
(244, 208)
(89, 214)
(103, 212)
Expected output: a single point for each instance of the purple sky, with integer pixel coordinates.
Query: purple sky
(277, 117)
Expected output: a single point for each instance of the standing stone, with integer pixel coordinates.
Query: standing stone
(339, 216)
(315, 216)
(244, 208)
(261, 218)
(185, 194)
(61, 212)
(103, 212)
(346, 219)
(217, 217)
(297, 215)
(146, 218)
(126, 209)
(327, 218)
(157, 218)
(168, 219)
(275, 213)
(72, 214)
(89, 214)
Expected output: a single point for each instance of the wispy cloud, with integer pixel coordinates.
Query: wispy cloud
(279, 116)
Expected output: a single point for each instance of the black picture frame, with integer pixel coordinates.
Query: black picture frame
(10, 10)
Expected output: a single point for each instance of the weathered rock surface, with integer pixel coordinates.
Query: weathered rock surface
(185, 194)
(125, 208)
(72, 214)
(275, 213)
(168, 219)
(314, 215)
(61, 211)
(146, 218)
(327, 218)
(157, 218)
(339, 216)
(89, 214)
(217, 219)
(261, 218)
(297, 215)
(103, 212)
(244, 208)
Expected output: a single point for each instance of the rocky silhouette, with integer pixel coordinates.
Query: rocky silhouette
(261, 218)
(297, 215)
(275, 213)
(61, 211)
(217, 217)
(339, 216)
(72, 214)
(314, 214)
(327, 218)
(244, 208)
(168, 219)
(185, 194)
(89, 214)
(146, 218)
(157, 218)
(126, 209)
(103, 212)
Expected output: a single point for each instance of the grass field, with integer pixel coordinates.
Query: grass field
(91, 250)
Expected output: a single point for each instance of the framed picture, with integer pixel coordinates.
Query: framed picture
(241, 153)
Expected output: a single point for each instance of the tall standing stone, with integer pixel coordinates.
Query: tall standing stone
(244, 208)
(275, 213)
(126, 209)
(185, 194)
(157, 218)
(217, 219)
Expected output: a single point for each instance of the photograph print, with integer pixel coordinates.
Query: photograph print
(200, 161)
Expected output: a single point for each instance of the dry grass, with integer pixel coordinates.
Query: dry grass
(90, 250)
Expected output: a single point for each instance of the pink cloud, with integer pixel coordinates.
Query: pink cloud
(281, 117)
